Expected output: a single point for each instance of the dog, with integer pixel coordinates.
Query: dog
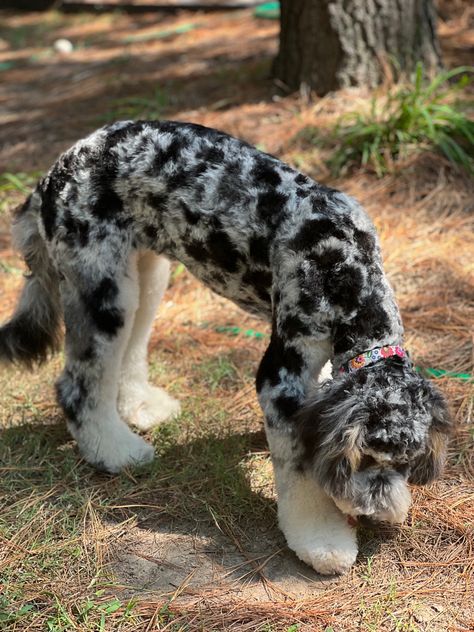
(96, 235)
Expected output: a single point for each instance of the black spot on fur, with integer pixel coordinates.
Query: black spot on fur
(365, 241)
(233, 168)
(265, 173)
(107, 317)
(287, 405)
(366, 245)
(179, 180)
(268, 369)
(222, 251)
(380, 410)
(328, 259)
(150, 232)
(211, 154)
(343, 287)
(301, 179)
(171, 153)
(302, 193)
(157, 201)
(307, 302)
(271, 206)
(371, 321)
(310, 282)
(88, 353)
(108, 205)
(190, 216)
(261, 281)
(313, 231)
(230, 189)
(71, 394)
(48, 208)
(277, 357)
(293, 326)
(108, 320)
(259, 250)
(197, 250)
(198, 170)
(77, 231)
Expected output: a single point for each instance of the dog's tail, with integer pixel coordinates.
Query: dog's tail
(33, 330)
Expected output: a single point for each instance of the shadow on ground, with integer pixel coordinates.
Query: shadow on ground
(195, 520)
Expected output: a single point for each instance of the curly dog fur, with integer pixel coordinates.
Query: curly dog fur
(95, 234)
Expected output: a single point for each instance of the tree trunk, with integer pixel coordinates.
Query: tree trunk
(27, 5)
(331, 44)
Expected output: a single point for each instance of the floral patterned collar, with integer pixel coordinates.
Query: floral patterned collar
(370, 357)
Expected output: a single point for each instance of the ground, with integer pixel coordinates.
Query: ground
(191, 542)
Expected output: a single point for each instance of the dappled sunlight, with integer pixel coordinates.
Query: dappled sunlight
(194, 534)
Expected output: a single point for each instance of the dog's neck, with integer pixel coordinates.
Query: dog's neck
(377, 323)
(372, 356)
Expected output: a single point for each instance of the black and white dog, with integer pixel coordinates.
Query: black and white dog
(95, 234)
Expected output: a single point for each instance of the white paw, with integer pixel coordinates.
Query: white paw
(147, 406)
(314, 527)
(111, 446)
(326, 557)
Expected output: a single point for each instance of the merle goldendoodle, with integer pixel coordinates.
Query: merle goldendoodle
(95, 234)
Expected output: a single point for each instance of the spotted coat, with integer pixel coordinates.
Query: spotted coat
(298, 254)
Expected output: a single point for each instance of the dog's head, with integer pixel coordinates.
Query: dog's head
(365, 435)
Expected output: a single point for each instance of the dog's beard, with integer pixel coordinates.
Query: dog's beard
(380, 494)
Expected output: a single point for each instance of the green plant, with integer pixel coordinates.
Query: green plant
(138, 107)
(418, 115)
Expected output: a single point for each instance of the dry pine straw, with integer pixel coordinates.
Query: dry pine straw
(426, 232)
(425, 225)
(427, 242)
(425, 219)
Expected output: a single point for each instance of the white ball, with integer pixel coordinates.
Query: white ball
(63, 46)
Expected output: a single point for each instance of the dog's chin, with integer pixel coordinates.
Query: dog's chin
(388, 501)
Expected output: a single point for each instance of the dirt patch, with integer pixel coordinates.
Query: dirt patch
(166, 564)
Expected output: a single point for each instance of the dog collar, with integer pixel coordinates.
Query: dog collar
(370, 357)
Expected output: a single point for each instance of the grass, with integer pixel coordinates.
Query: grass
(415, 117)
(19, 184)
(56, 509)
(152, 107)
(64, 528)
(62, 524)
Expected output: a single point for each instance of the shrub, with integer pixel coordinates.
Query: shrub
(419, 115)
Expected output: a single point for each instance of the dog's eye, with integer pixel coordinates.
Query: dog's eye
(367, 461)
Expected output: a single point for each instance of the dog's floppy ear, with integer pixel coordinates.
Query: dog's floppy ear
(330, 428)
(429, 465)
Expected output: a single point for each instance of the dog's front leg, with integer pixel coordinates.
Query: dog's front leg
(315, 529)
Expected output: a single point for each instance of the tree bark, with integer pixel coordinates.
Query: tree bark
(330, 44)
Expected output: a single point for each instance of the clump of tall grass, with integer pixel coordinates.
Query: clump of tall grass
(416, 116)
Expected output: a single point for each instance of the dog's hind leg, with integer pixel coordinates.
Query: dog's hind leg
(99, 293)
(140, 403)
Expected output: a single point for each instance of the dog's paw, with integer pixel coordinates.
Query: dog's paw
(317, 532)
(136, 451)
(147, 407)
(111, 448)
(328, 557)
